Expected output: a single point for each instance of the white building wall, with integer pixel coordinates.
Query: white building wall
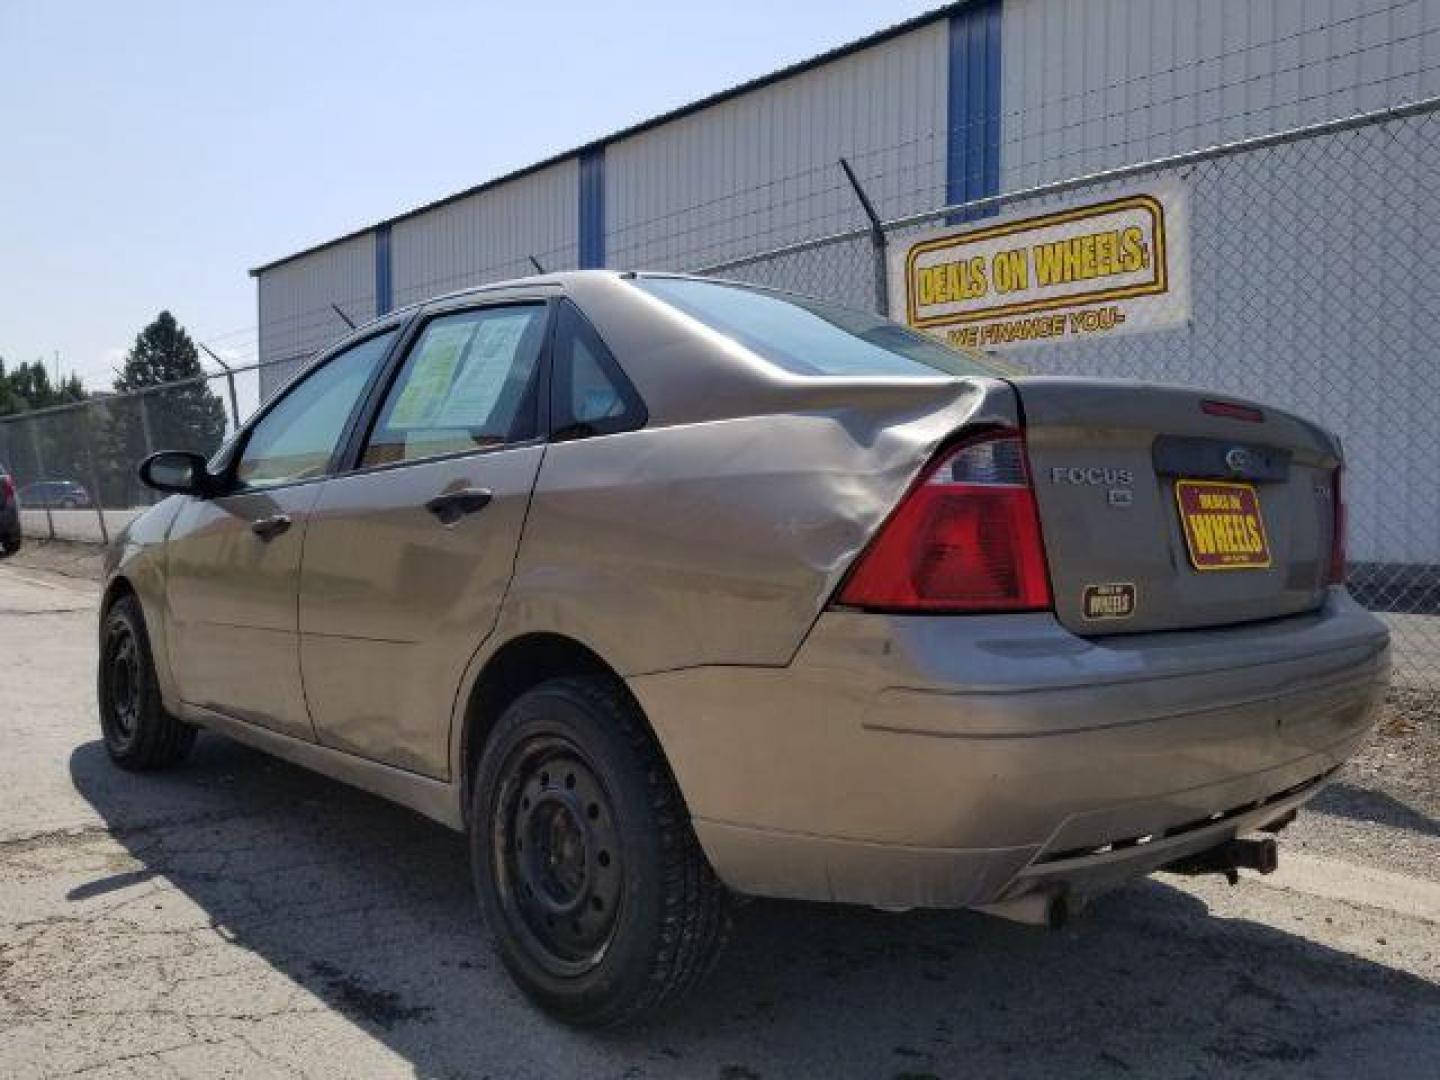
(488, 236)
(296, 319)
(1292, 301)
(761, 169)
(1312, 264)
(1092, 84)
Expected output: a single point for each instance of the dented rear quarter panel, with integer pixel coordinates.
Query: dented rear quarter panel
(716, 534)
(720, 542)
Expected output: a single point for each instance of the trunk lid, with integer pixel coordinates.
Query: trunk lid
(1159, 515)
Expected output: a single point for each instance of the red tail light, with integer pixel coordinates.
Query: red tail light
(7, 489)
(966, 538)
(1337, 535)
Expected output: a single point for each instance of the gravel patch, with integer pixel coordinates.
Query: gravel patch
(1384, 809)
(67, 557)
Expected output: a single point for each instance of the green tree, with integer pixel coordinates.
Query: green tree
(189, 416)
(28, 387)
(43, 447)
(8, 402)
(185, 415)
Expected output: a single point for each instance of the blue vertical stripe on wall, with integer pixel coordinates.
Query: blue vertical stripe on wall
(972, 165)
(592, 208)
(384, 299)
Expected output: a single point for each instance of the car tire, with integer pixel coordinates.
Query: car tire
(611, 913)
(9, 546)
(139, 734)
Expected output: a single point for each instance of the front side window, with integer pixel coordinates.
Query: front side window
(296, 439)
(810, 337)
(469, 382)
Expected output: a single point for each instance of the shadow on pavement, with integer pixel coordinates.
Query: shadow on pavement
(369, 907)
(1362, 804)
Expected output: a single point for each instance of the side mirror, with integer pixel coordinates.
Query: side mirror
(177, 471)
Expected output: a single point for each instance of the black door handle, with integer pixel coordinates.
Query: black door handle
(270, 527)
(453, 505)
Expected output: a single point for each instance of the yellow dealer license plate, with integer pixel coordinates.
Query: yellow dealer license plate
(1223, 526)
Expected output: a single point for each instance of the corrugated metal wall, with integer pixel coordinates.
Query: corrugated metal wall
(1308, 284)
(1103, 83)
(488, 236)
(295, 297)
(760, 170)
(1092, 84)
(1085, 85)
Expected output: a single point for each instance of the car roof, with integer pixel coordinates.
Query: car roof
(683, 371)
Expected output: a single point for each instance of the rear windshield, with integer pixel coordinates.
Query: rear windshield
(810, 337)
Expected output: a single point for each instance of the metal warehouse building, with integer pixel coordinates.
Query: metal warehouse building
(1301, 131)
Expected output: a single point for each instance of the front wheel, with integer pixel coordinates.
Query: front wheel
(589, 874)
(139, 734)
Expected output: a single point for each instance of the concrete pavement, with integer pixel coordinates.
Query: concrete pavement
(240, 917)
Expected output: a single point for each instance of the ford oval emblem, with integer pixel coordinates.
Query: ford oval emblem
(1238, 459)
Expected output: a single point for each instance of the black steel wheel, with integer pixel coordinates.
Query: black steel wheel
(603, 907)
(559, 869)
(122, 663)
(139, 734)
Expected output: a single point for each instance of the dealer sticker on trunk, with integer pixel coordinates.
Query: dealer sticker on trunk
(1115, 600)
(1223, 526)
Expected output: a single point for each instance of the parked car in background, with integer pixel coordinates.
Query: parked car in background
(10, 539)
(54, 494)
(667, 589)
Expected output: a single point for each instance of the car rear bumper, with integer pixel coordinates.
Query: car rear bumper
(923, 761)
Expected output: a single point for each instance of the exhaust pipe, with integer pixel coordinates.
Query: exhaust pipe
(1049, 909)
(1262, 856)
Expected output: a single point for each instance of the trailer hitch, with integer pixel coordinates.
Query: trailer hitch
(1229, 858)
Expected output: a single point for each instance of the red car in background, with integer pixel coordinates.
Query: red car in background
(9, 515)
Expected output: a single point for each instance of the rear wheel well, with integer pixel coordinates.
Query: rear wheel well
(518, 666)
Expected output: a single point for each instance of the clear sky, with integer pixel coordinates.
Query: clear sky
(151, 153)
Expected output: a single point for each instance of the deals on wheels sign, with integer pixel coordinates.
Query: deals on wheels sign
(1117, 266)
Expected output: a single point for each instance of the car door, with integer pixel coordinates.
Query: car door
(233, 560)
(409, 554)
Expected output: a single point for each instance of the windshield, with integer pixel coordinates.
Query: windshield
(810, 337)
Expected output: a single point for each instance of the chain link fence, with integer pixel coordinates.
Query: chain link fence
(74, 466)
(1314, 284)
(1314, 259)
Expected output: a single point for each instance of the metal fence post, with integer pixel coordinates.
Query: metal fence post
(229, 379)
(234, 401)
(877, 242)
(149, 439)
(96, 495)
(40, 474)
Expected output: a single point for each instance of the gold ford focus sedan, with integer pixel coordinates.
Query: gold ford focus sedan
(668, 590)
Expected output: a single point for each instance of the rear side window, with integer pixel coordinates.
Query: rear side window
(810, 337)
(469, 382)
(590, 394)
